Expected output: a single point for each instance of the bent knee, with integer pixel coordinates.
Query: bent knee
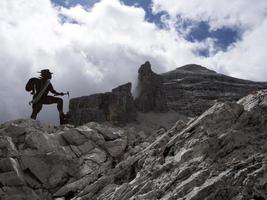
(59, 100)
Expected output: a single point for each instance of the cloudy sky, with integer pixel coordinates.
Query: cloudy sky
(94, 45)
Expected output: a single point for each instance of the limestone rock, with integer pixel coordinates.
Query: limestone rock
(121, 107)
(116, 106)
(254, 100)
(74, 137)
(150, 93)
(7, 147)
(192, 89)
(11, 174)
(116, 147)
(91, 134)
(219, 155)
(39, 141)
(188, 90)
(37, 161)
(96, 155)
(109, 133)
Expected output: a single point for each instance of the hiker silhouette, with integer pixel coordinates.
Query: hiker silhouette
(39, 88)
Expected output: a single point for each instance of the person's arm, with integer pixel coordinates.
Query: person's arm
(51, 89)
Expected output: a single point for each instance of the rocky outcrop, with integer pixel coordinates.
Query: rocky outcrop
(122, 107)
(188, 90)
(116, 106)
(221, 154)
(39, 162)
(192, 89)
(150, 93)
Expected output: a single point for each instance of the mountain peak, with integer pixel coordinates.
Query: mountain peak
(193, 68)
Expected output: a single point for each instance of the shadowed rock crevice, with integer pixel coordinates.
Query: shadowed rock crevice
(127, 175)
(70, 195)
(31, 179)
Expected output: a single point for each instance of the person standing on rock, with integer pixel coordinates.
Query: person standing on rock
(39, 88)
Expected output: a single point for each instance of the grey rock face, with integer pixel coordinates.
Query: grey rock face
(85, 109)
(116, 106)
(122, 107)
(150, 93)
(192, 89)
(219, 155)
(188, 90)
(39, 163)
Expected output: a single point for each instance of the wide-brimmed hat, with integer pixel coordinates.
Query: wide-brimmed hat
(45, 72)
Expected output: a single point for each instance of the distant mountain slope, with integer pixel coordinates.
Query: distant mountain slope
(188, 90)
(191, 89)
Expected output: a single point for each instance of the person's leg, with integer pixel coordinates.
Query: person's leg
(36, 108)
(59, 102)
(52, 100)
(60, 105)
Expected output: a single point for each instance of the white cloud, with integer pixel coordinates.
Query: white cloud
(219, 13)
(103, 49)
(246, 58)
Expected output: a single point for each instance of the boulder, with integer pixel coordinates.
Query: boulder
(108, 133)
(7, 147)
(91, 134)
(96, 155)
(39, 141)
(51, 170)
(10, 173)
(74, 137)
(116, 147)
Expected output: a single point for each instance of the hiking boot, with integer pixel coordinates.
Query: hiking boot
(62, 119)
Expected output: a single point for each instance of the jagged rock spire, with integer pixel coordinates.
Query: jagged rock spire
(150, 93)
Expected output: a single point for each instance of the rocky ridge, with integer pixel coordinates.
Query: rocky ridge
(39, 161)
(219, 155)
(116, 106)
(188, 90)
(192, 89)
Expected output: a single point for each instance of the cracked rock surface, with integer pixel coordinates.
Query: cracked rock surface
(222, 155)
(38, 161)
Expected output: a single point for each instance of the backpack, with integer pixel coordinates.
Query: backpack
(30, 86)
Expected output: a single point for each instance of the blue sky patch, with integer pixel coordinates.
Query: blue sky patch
(204, 52)
(71, 3)
(224, 37)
